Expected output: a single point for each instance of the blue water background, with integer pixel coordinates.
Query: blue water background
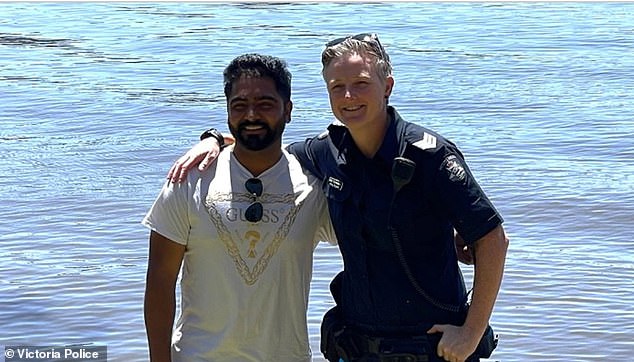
(98, 100)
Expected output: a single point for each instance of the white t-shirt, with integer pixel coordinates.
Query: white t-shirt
(244, 285)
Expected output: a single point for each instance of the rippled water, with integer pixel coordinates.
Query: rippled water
(98, 100)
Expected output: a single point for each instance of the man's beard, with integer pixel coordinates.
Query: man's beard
(257, 142)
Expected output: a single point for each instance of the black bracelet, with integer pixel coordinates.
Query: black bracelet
(212, 132)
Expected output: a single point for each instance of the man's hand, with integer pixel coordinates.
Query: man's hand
(457, 343)
(206, 151)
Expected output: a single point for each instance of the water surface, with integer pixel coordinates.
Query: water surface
(98, 99)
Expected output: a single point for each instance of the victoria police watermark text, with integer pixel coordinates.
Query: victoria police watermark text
(56, 354)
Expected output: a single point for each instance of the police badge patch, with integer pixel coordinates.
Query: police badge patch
(454, 167)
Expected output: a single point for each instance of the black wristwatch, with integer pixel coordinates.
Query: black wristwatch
(212, 132)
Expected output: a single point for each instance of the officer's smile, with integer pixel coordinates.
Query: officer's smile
(352, 108)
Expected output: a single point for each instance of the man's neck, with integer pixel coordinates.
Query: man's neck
(258, 161)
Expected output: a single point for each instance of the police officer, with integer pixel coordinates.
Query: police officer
(396, 191)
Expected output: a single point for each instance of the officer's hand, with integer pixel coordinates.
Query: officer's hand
(464, 251)
(456, 343)
(206, 151)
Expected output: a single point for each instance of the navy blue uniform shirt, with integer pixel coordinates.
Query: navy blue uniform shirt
(376, 293)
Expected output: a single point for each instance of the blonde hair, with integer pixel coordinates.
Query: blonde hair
(367, 45)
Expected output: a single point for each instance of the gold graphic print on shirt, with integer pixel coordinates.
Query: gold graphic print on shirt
(255, 236)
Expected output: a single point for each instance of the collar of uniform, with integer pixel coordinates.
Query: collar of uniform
(341, 141)
(389, 147)
(400, 129)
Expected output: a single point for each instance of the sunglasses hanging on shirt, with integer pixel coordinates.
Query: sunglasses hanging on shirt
(255, 210)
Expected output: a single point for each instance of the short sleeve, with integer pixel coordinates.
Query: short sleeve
(472, 213)
(325, 231)
(168, 215)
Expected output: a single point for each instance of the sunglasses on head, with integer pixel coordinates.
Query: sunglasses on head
(370, 38)
(255, 210)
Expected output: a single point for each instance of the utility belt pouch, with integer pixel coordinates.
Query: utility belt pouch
(331, 330)
(409, 349)
(359, 347)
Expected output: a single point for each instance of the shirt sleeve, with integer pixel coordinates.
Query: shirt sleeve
(325, 232)
(472, 213)
(168, 215)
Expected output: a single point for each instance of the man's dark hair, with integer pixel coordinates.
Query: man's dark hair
(259, 66)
